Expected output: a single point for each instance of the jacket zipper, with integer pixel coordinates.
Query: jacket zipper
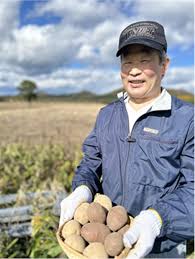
(130, 140)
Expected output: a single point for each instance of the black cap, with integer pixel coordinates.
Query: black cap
(148, 33)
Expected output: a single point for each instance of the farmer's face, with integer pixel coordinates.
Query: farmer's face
(142, 72)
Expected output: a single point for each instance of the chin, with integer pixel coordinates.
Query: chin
(136, 92)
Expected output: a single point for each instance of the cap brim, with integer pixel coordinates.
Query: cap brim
(145, 42)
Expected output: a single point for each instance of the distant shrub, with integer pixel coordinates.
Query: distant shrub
(30, 169)
(40, 167)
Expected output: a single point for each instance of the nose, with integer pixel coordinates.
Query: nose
(135, 71)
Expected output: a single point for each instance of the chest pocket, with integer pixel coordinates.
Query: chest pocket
(157, 160)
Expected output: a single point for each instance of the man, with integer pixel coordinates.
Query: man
(140, 152)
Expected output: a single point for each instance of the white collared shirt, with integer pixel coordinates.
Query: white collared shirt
(162, 102)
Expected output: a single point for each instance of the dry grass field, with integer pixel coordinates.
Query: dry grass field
(49, 122)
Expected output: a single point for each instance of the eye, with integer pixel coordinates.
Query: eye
(145, 60)
(128, 63)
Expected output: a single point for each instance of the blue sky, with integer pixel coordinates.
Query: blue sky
(27, 5)
(70, 46)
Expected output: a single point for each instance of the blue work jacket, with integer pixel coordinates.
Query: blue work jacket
(151, 168)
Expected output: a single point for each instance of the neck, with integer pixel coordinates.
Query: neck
(139, 103)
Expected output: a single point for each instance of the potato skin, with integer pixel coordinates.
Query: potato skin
(114, 244)
(123, 254)
(117, 217)
(76, 242)
(123, 229)
(96, 213)
(81, 214)
(71, 227)
(94, 232)
(103, 200)
(95, 250)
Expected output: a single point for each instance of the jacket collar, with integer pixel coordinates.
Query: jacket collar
(162, 102)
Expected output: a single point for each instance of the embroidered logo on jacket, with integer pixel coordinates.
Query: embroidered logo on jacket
(153, 131)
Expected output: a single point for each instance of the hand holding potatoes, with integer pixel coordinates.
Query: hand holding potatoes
(68, 205)
(143, 232)
(96, 229)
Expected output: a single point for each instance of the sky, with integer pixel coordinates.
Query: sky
(70, 46)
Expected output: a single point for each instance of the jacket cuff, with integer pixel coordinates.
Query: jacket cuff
(157, 215)
(162, 209)
(77, 184)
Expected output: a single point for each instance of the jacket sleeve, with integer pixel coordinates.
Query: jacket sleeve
(177, 208)
(89, 170)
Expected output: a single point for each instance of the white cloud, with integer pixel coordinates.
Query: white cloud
(40, 49)
(87, 52)
(175, 15)
(9, 11)
(180, 78)
(86, 13)
(87, 35)
(99, 81)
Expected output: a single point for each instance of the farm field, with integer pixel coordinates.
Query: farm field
(46, 123)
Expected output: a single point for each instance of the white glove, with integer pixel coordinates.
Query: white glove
(69, 204)
(144, 230)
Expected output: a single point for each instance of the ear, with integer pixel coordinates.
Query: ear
(165, 66)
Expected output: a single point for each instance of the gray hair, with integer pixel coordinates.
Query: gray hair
(162, 56)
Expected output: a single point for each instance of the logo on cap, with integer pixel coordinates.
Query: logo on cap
(147, 30)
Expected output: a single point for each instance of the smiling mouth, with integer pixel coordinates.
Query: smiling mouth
(136, 81)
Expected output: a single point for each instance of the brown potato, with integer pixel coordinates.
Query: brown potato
(117, 217)
(123, 229)
(76, 242)
(94, 232)
(114, 244)
(123, 254)
(95, 250)
(96, 213)
(81, 214)
(103, 200)
(71, 227)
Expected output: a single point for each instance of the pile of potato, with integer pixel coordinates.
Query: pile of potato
(97, 229)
